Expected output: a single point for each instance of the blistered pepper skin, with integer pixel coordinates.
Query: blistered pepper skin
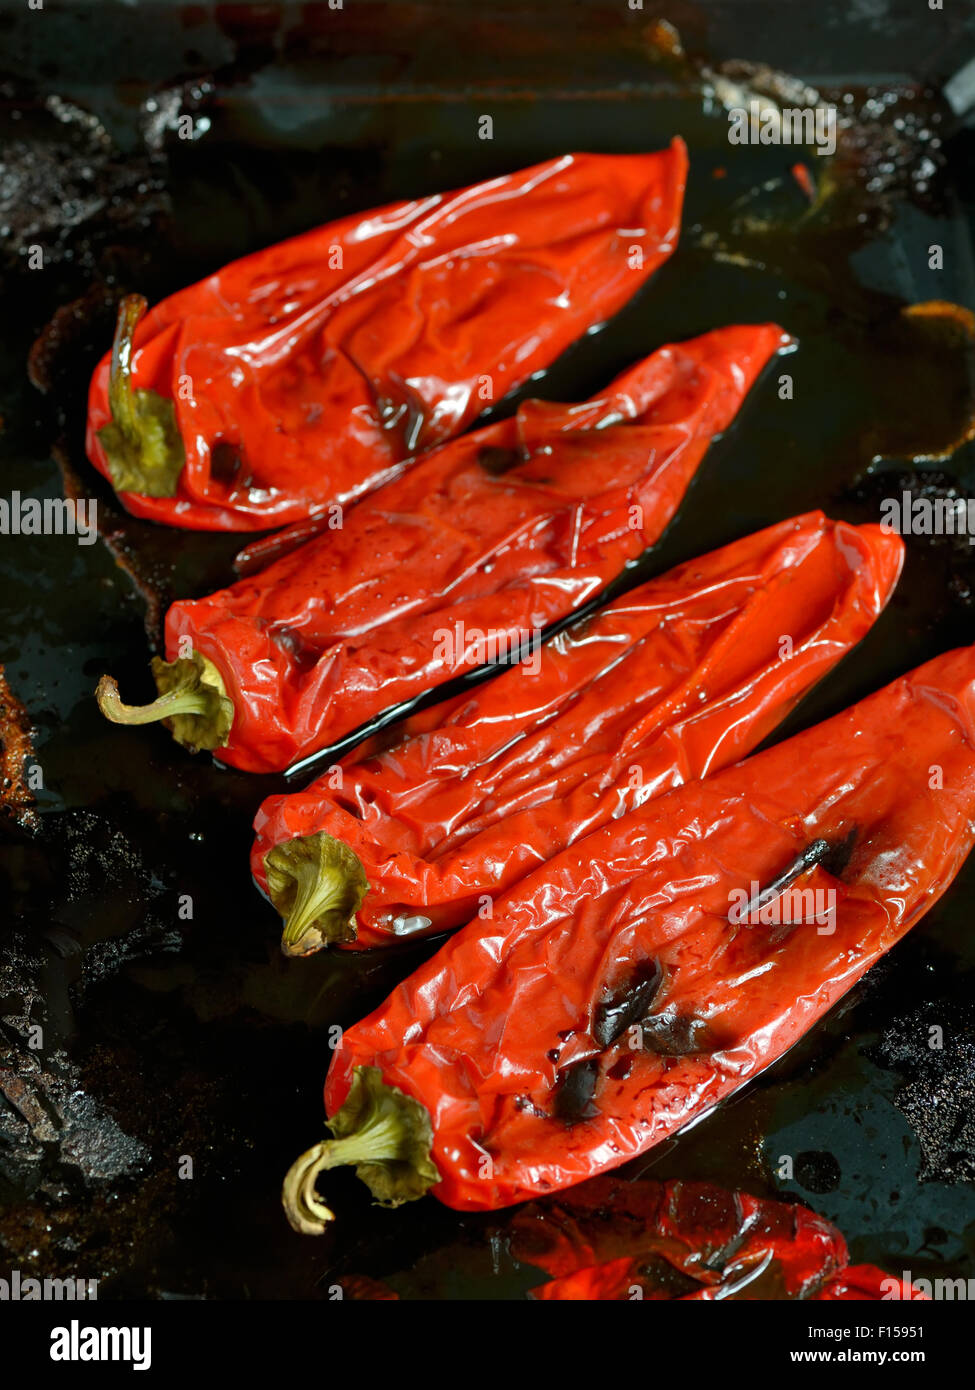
(705, 1233)
(485, 1032)
(500, 533)
(678, 678)
(322, 363)
(688, 1241)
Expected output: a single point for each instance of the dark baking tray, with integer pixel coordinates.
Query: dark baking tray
(166, 1038)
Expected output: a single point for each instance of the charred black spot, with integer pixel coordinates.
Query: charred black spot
(627, 1004)
(840, 852)
(291, 641)
(498, 461)
(225, 461)
(814, 853)
(675, 1035)
(833, 855)
(574, 1090)
(620, 1069)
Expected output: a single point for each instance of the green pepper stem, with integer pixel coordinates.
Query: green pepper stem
(142, 443)
(192, 702)
(384, 1133)
(307, 1213)
(163, 707)
(317, 884)
(121, 394)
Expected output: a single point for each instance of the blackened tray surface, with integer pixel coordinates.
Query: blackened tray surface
(164, 1037)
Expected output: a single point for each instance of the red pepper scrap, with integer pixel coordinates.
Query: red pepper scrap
(678, 678)
(800, 172)
(653, 968)
(867, 1283)
(306, 374)
(613, 1240)
(464, 559)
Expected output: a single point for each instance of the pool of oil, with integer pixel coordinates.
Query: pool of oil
(145, 1130)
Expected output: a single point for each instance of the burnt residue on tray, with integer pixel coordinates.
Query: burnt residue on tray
(180, 1056)
(933, 1049)
(17, 802)
(948, 554)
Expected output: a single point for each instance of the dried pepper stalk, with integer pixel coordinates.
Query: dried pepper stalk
(305, 374)
(678, 678)
(468, 555)
(648, 971)
(688, 1241)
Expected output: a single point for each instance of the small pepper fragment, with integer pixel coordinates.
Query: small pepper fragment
(672, 681)
(316, 367)
(455, 562)
(480, 1034)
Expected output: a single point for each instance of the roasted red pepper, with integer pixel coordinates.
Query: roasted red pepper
(653, 968)
(466, 557)
(688, 1240)
(305, 374)
(676, 679)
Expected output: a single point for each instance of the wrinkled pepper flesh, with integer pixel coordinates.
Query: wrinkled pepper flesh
(462, 560)
(305, 374)
(613, 1240)
(678, 678)
(653, 968)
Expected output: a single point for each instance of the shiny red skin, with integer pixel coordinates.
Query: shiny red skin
(354, 622)
(607, 1236)
(326, 377)
(481, 1032)
(687, 1241)
(674, 681)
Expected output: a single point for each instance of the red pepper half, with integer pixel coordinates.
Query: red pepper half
(653, 968)
(678, 678)
(305, 374)
(688, 1241)
(464, 559)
